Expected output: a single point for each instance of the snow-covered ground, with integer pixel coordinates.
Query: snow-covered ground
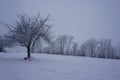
(57, 67)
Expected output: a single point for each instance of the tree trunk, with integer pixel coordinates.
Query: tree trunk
(28, 52)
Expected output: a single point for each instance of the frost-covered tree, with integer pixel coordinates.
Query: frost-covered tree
(74, 49)
(61, 43)
(83, 50)
(4, 42)
(89, 47)
(69, 43)
(28, 30)
(106, 50)
(53, 47)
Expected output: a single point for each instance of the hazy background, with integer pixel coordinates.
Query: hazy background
(83, 19)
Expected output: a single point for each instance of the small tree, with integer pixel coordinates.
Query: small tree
(61, 43)
(75, 49)
(83, 50)
(69, 43)
(28, 30)
(91, 45)
(4, 42)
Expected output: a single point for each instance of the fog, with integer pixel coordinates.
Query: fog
(83, 19)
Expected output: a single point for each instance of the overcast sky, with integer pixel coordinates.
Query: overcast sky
(82, 19)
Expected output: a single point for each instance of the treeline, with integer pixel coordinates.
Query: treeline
(65, 45)
(31, 31)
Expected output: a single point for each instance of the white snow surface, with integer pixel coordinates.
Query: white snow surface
(57, 67)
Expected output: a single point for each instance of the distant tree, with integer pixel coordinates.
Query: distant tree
(37, 47)
(117, 56)
(4, 42)
(83, 50)
(53, 47)
(47, 50)
(69, 43)
(101, 49)
(75, 49)
(61, 43)
(91, 45)
(28, 30)
(106, 50)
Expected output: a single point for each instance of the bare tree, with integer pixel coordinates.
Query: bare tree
(91, 45)
(28, 30)
(53, 47)
(5, 42)
(61, 43)
(37, 47)
(117, 56)
(69, 42)
(108, 48)
(101, 49)
(105, 49)
(2, 44)
(83, 50)
(75, 49)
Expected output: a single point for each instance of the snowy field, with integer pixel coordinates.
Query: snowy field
(57, 67)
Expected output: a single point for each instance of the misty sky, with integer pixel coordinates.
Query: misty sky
(82, 19)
